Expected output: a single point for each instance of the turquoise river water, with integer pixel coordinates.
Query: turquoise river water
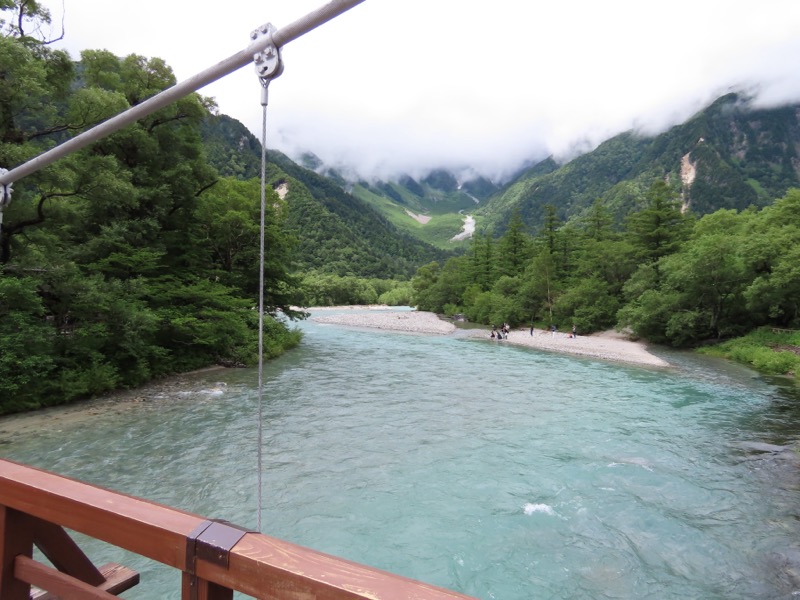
(501, 472)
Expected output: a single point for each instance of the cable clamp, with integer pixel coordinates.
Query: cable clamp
(268, 62)
(5, 192)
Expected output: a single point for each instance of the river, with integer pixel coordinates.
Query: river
(497, 471)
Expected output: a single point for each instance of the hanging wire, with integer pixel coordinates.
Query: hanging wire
(261, 262)
(268, 65)
(265, 50)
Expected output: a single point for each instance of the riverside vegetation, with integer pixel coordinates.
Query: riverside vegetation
(133, 258)
(138, 256)
(665, 276)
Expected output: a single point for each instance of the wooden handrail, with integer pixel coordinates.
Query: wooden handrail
(257, 565)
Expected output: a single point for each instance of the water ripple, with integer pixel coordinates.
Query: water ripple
(501, 472)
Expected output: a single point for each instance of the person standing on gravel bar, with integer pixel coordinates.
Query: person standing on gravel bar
(574, 331)
(553, 330)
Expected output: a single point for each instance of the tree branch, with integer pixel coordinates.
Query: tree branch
(206, 187)
(10, 231)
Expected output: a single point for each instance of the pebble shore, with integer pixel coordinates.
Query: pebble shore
(408, 321)
(605, 346)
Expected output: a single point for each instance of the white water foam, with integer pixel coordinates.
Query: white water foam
(542, 508)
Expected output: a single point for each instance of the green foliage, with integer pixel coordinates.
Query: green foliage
(231, 149)
(278, 337)
(768, 350)
(322, 289)
(514, 248)
(435, 287)
(539, 288)
(718, 184)
(649, 315)
(571, 188)
(424, 283)
(401, 295)
(772, 254)
(668, 279)
(337, 233)
(590, 304)
(737, 271)
(131, 259)
(659, 228)
(479, 310)
(26, 361)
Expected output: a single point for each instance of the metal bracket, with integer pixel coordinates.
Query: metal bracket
(5, 193)
(268, 62)
(212, 541)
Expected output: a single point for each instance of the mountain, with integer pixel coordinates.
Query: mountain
(231, 148)
(730, 155)
(336, 231)
(432, 209)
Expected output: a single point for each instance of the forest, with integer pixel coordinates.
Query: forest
(665, 276)
(133, 258)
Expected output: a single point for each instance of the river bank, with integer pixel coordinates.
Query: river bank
(407, 321)
(607, 345)
(65, 416)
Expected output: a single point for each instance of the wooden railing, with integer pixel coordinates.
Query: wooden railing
(215, 557)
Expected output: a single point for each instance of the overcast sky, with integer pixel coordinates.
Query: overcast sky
(404, 85)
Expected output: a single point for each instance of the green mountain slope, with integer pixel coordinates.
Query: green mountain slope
(727, 156)
(336, 231)
(432, 209)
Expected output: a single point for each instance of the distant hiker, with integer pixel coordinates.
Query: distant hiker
(531, 329)
(574, 331)
(553, 330)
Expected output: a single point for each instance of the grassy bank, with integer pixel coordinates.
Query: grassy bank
(768, 350)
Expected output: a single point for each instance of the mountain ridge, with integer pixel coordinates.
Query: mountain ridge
(336, 231)
(728, 155)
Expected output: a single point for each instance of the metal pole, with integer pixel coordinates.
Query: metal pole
(280, 38)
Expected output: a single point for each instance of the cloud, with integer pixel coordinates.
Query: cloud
(405, 85)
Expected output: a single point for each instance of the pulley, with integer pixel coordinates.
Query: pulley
(5, 191)
(5, 196)
(268, 62)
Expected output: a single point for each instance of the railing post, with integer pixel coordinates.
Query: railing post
(16, 537)
(194, 588)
